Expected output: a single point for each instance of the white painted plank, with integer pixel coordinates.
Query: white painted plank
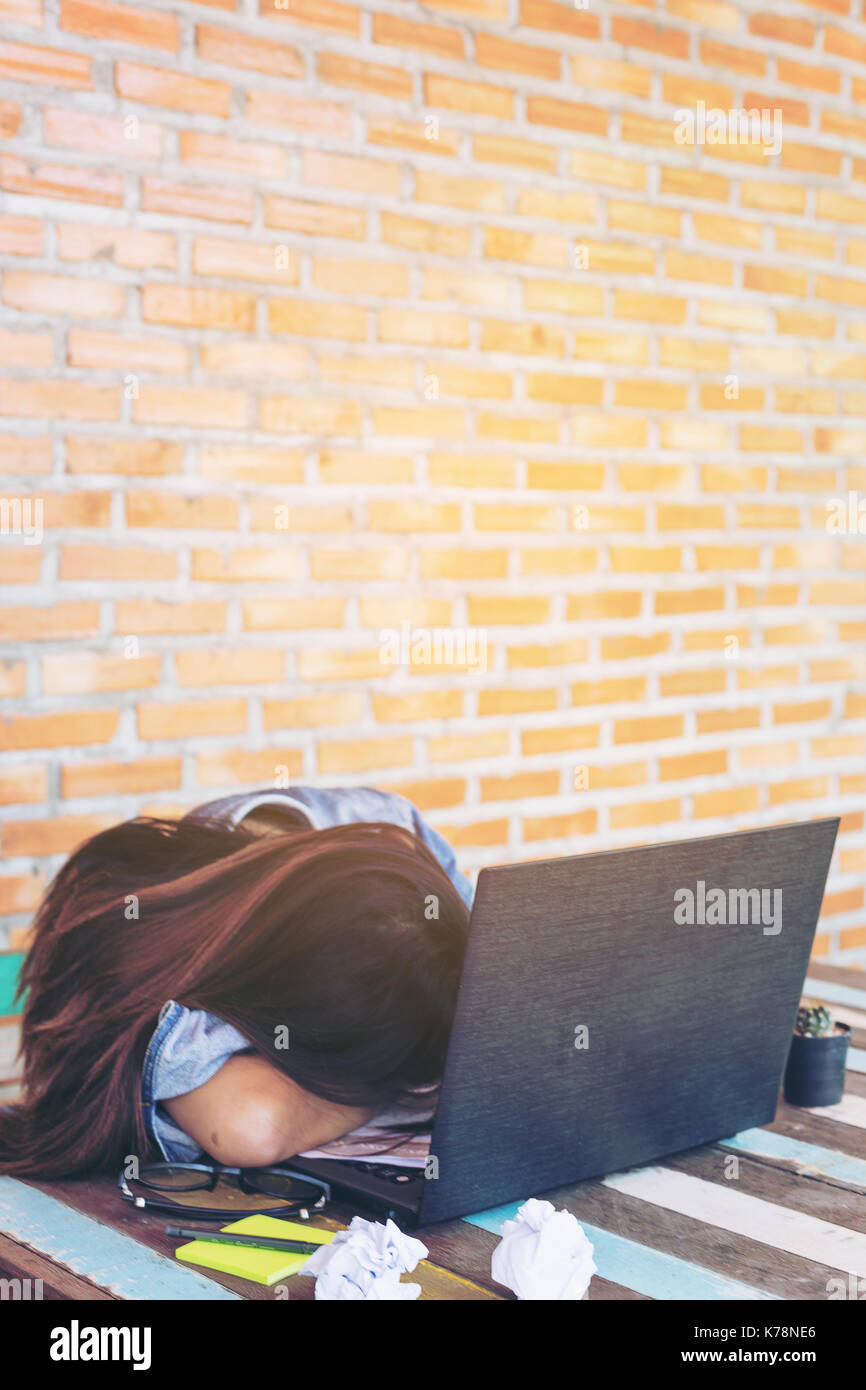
(851, 1110)
(722, 1205)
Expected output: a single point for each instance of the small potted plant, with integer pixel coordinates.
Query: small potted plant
(815, 1074)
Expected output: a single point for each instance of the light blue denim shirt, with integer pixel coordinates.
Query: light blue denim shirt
(189, 1045)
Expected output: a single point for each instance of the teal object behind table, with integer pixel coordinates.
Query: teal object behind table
(10, 969)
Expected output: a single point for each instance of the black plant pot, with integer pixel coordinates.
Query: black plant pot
(815, 1074)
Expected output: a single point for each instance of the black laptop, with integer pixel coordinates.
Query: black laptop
(613, 1008)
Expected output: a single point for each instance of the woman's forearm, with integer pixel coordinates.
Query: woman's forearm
(249, 1114)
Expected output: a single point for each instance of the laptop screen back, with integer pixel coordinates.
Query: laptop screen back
(613, 1008)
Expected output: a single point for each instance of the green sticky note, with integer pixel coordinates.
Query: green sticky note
(262, 1266)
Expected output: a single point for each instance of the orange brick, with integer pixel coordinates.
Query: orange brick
(559, 19)
(222, 153)
(350, 171)
(232, 767)
(103, 455)
(559, 827)
(98, 19)
(232, 48)
(566, 115)
(59, 835)
(278, 615)
(419, 327)
(715, 14)
(309, 415)
(10, 119)
(412, 135)
(428, 38)
(24, 783)
(594, 167)
(177, 90)
(21, 236)
(35, 293)
(117, 779)
(60, 181)
(319, 14)
(425, 704)
(478, 833)
(93, 672)
(491, 51)
(126, 562)
(193, 719)
(645, 813)
(172, 510)
(130, 247)
(20, 893)
(193, 405)
(52, 67)
(774, 26)
(612, 76)
(285, 108)
(729, 801)
(637, 33)
(58, 399)
(342, 71)
(475, 98)
(689, 183)
(69, 729)
(198, 307)
(142, 616)
(216, 202)
(251, 666)
(843, 44)
(363, 755)
(85, 130)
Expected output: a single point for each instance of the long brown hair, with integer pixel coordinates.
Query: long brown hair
(351, 938)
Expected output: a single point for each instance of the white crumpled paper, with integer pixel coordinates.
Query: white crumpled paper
(365, 1262)
(543, 1254)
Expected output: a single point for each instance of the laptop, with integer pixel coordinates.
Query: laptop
(613, 1008)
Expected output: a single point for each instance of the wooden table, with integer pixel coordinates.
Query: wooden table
(775, 1213)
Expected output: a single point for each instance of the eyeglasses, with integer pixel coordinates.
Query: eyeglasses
(215, 1192)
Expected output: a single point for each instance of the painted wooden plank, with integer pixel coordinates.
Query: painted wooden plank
(855, 1018)
(48, 1280)
(853, 975)
(638, 1267)
(97, 1252)
(834, 993)
(856, 1059)
(733, 1257)
(851, 1110)
(811, 1160)
(10, 1039)
(742, 1214)
(10, 969)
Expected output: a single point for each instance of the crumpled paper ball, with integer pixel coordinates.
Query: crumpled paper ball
(365, 1262)
(543, 1254)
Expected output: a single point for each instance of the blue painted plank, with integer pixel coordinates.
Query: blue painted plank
(810, 1158)
(97, 1252)
(641, 1268)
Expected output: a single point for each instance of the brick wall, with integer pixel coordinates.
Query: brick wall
(321, 319)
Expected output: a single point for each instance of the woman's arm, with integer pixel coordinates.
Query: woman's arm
(249, 1114)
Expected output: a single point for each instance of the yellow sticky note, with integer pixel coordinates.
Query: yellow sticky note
(262, 1266)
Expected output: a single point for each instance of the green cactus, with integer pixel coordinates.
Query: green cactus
(814, 1019)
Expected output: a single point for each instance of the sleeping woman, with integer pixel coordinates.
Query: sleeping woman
(254, 980)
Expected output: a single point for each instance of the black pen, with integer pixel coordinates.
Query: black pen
(291, 1247)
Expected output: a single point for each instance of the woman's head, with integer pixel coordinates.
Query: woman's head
(336, 952)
